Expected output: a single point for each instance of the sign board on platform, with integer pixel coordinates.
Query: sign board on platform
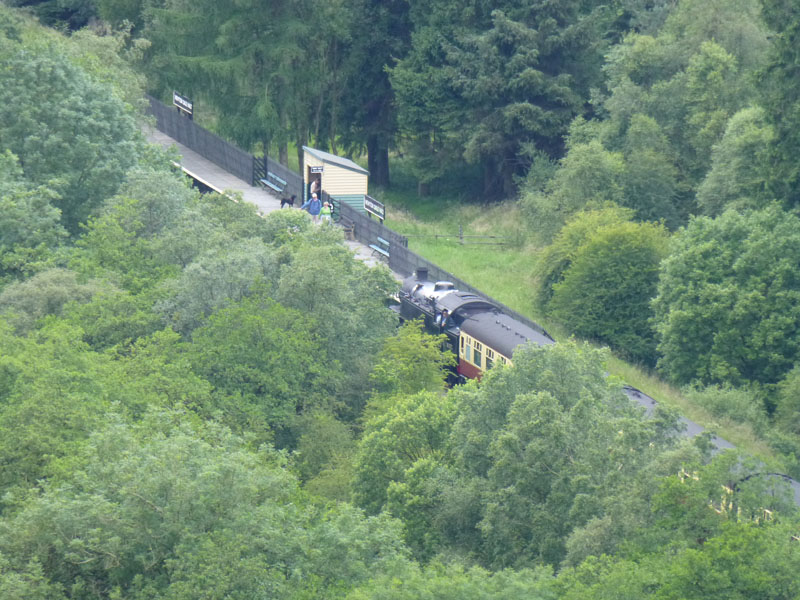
(183, 103)
(374, 207)
(319, 169)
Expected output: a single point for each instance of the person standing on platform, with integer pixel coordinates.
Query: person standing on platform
(325, 212)
(313, 206)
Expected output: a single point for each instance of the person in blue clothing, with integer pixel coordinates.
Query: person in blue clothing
(313, 206)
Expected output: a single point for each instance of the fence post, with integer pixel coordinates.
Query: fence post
(460, 234)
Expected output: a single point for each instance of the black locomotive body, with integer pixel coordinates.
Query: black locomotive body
(478, 331)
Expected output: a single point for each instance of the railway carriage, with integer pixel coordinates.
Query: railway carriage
(477, 330)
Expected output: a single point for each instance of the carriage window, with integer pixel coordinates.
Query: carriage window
(489, 363)
(467, 354)
(478, 346)
(462, 343)
(477, 356)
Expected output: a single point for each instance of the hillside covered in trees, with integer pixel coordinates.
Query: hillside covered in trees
(198, 402)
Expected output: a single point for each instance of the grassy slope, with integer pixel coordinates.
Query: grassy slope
(506, 273)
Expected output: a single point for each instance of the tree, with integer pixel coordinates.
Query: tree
(628, 524)
(588, 177)
(53, 395)
(732, 565)
(56, 392)
(552, 465)
(368, 109)
(726, 308)
(170, 511)
(532, 454)
(72, 14)
(714, 93)
(153, 372)
(324, 455)
(28, 583)
(738, 175)
(650, 180)
(45, 293)
(112, 248)
(270, 75)
(451, 582)
(416, 427)
(787, 404)
(411, 361)
(688, 78)
(70, 133)
(605, 293)
(29, 223)
(780, 100)
(216, 278)
(347, 301)
(556, 258)
(265, 362)
(512, 72)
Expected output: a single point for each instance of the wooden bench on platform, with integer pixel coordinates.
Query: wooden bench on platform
(381, 248)
(274, 182)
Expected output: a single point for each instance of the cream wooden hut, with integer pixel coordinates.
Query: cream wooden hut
(341, 178)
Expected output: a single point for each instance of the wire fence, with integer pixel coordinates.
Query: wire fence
(496, 240)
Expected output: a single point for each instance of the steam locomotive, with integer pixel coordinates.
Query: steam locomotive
(478, 331)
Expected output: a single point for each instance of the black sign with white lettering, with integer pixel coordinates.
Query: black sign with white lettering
(183, 103)
(373, 206)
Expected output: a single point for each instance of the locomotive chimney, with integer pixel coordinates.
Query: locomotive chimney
(422, 273)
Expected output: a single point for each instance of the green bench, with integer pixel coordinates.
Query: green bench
(274, 182)
(381, 248)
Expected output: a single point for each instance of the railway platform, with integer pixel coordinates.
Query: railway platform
(221, 181)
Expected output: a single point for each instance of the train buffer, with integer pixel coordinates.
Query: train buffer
(381, 248)
(274, 182)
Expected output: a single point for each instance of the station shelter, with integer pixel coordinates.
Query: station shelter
(339, 177)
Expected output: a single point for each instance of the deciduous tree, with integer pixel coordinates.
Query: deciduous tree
(265, 362)
(178, 512)
(739, 171)
(411, 361)
(606, 291)
(69, 132)
(30, 227)
(728, 297)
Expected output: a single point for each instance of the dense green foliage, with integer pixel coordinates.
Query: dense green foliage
(506, 470)
(605, 293)
(70, 133)
(781, 101)
(516, 73)
(728, 299)
(196, 401)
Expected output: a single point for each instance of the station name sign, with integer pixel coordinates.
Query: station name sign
(317, 169)
(183, 103)
(374, 207)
